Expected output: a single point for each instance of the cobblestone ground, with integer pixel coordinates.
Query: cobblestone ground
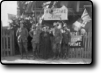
(16, 59)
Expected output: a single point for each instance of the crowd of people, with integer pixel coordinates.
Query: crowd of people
(47, 43)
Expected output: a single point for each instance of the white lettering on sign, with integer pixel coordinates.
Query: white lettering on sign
(75, 37)
(58, 14)
(74, 33)
(75, 44)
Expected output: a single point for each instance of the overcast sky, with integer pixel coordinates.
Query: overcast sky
(8, 7)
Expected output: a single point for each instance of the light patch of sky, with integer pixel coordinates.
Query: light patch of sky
(8, 7)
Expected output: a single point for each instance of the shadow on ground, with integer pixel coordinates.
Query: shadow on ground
(17, 59)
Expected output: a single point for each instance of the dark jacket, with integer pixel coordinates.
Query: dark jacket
(58, 35)
(22, 34)
(35, 34)
(66, 37)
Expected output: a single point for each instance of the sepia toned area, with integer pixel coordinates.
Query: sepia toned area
(47, 32)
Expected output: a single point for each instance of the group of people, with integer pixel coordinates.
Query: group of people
(47, 43)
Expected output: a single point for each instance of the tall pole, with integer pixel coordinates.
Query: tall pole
(35, 12)
(78, 6)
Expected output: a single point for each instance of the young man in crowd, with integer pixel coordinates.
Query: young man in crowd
(22, 35)
(57, 40)
(65, 42)
(35, 33)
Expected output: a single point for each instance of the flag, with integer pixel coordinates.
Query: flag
(49, 4)
(29, 8)
(46, 4)
(85, 16)
(11, 16)
(54, 3)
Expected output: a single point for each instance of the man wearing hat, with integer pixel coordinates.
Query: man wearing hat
(65, 41)
(35, 33)
(57, 40)
(22, 35)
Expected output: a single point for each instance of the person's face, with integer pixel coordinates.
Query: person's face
(59, 26)
(55, 26)
(21, 25)
(45, 29)
(83, 31)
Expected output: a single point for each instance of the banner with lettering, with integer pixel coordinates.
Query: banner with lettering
(76, 40)
(77, 44)
(57, 14)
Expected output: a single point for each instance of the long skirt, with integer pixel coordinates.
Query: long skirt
(45, 48)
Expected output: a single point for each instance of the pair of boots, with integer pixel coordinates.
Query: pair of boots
(35, 53)
(22, 56)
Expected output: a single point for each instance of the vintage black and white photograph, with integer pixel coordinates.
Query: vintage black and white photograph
(46, 32)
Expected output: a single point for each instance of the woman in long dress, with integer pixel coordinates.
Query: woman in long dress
(45, 44)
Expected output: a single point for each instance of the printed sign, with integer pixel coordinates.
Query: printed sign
(57, 14)
(76, 43)
(76, 40)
